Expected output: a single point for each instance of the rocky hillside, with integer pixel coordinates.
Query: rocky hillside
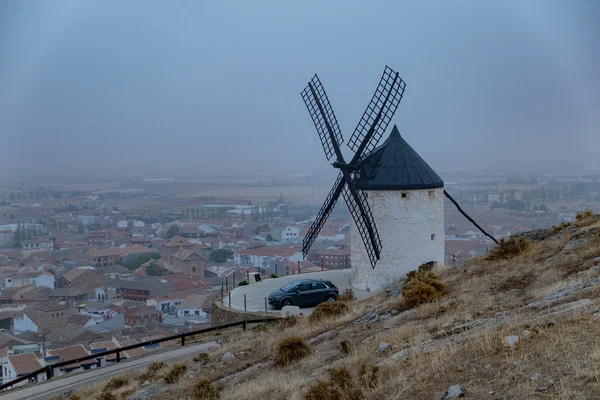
(522, 323)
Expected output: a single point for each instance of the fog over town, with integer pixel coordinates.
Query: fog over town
(160, 173)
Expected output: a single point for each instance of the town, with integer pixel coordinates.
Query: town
(88, 270)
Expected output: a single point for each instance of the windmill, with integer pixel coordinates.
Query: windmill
(407, 171)
(369, 130)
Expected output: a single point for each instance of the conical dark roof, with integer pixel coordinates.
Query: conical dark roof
(396, 166)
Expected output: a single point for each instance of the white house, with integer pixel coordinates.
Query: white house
(22, 323)
(122, 224)
(41, 278)
(37, 244)
(262, 256)
(22, 364)
(88, 219)
(192, 306)
(290, 234)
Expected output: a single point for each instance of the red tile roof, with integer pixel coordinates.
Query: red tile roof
(24, 363)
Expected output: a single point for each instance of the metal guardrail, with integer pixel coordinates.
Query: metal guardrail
(49, 369)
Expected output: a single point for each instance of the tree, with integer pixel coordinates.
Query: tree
(155, 270)
(137, 262)
(535, 208)
(80, 228)
(269, 238)
(543, 208)
(172, 232)
(11, 196)
(516, 205)
(221, 255)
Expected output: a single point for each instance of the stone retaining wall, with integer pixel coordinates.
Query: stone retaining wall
(221, 315)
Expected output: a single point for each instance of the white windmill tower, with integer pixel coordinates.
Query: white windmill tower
(406, 198)
(394, 197)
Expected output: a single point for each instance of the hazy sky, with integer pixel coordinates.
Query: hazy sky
(213, 86)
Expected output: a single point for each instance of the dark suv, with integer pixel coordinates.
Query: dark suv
(304, 292)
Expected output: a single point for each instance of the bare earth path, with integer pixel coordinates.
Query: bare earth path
(48, 389)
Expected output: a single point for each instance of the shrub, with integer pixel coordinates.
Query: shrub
(423, 268)
(347, 295)
(345, 347)
(272, 276)
(290, 350)
(327, 311)
(151, 373)
(201, 358)
(204, 390)
(560, 227)
(584, 215)
(175, 373)
(107, 396)
(341, 385)
(116, 383)
(243, 283)
(422, 288)
(509, 248)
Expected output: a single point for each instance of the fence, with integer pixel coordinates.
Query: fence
(49, 369)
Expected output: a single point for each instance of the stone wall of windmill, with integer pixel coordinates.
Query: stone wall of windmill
(411, 227)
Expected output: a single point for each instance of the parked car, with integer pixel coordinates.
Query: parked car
(304, 293)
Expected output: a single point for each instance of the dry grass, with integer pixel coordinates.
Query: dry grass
(116, 383)
(423, 287)
(582, 215)
(341, 385)
(290, 350)
(328, 311)
(561, 361)
(152, 371)
(347, 295)
(204, 390)
(560, 227)
(175, 373)
(509, 248)
(201, 358)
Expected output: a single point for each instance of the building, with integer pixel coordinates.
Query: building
(71, 353)
(262, 256)
(70, 295)
(193, 305)
(173, 245)
(188, 262)
(42, 318)
(140, 290)
(41, 278)
(406, 198)
(332, 258)
(37, 244)
(290, 234)
(142, 315)
(22, 364)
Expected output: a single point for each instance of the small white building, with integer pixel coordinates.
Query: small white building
(22, 364)
(192, 306)
(406, 198)
(41, 278)
(290, 234)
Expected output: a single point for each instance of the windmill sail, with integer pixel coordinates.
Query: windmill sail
(324, 212)
(323, 117)
(363, 218)
(378, 114)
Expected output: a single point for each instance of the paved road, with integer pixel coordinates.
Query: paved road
(48, 389)
(256, 292)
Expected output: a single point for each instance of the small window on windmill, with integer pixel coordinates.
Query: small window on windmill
(431, 194)
(433, 236)
(405, 195)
